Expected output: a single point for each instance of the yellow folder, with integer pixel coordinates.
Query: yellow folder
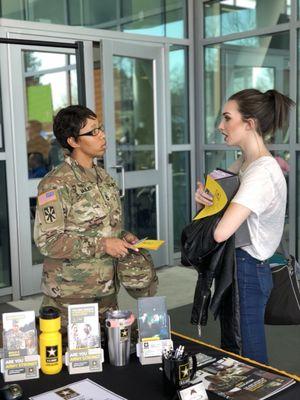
(149, 244)
(219, 199)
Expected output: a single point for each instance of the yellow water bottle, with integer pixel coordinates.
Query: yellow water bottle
(50, 341)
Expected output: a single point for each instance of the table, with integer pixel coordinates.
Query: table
(134, 381)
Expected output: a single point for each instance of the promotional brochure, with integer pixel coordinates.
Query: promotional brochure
(83, 327)
(153, 320)
(81, 390)
(233, 379)
(19, 334)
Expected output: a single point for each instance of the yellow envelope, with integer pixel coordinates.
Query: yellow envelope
(149, 244)
(219, 199)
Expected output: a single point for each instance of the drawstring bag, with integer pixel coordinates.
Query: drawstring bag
(283, 307)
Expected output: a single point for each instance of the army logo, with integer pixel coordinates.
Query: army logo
(124, 334)
(183, 372)
(67, 393)
(49, 214)
(51, 354)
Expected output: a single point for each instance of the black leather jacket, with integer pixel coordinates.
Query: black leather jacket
(213, 261)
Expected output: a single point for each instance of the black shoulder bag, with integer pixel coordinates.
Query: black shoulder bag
(283, 307)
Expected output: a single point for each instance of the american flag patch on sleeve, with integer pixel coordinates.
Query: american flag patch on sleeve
(46, 197)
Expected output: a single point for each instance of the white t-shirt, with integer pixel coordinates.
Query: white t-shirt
(263, 190)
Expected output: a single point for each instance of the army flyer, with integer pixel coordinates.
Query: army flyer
(19, 334)
(83, 327)
(81, 390)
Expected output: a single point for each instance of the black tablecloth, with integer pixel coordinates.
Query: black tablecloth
(134, 382)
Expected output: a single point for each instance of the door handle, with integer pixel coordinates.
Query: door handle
(116, 167)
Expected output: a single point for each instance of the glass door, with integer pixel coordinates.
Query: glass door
(43, 80)
(136, 136)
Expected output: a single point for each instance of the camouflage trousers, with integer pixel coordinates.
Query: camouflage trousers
(107, 303)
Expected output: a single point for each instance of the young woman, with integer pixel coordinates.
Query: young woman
(248, 116)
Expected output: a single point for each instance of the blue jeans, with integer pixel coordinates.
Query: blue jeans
(254, 285)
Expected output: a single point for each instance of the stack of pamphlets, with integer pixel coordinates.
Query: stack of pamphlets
(20, 350)
(233, 379)
(19, 334)
(83, 327)
(153, 320)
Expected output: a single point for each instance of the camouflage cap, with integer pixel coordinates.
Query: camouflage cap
(136, 272)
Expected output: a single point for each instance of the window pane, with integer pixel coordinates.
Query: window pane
(140, 212)
(298, 80)
(231, 16)
(47, 12)
(176, 18)
(256, 62)
(37, 61)
(220, 159)
(134, 113)
(298, 205)
(5, 278)
(13, 9)
(146, 26)
(181, 194)
(179, 95)
(46, 93)
(156, 17)
(93, 13)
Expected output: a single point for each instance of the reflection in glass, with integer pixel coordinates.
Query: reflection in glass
(139, 210)
(176, 18)
(220, 159)
(181, 194)
(37, 257)
(97, 74)
(46, 93)
(232, 16)
(155, 17)
(179, 94)
(257, 62)
(134, 113)
(5, 278)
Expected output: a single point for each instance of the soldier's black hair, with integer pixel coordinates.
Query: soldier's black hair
(68, 122)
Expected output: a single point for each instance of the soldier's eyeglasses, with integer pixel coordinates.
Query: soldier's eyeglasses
(95, 131)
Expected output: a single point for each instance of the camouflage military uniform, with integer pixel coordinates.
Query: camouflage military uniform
(76, 208)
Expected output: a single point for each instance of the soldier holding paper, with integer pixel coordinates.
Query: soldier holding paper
(78, 225)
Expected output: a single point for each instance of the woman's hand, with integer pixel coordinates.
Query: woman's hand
(202, 197)
(117, 248)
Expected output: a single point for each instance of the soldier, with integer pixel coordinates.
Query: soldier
(14, 339)
(78, 225)
(88, 339)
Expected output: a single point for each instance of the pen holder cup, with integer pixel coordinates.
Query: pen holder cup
(177, 373)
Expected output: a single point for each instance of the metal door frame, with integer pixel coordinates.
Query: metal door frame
(135, 179)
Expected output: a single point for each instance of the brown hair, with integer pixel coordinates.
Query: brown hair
(270, 110)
